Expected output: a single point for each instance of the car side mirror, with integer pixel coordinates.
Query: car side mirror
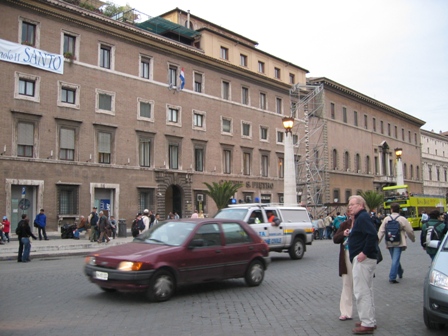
(277, 221)
(196, 243)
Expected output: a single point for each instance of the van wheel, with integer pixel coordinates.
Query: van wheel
(161, 286)
(297, 249)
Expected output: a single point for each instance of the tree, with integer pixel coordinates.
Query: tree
(221, 192)
(372, 198)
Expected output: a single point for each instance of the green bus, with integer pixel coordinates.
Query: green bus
(412, 205)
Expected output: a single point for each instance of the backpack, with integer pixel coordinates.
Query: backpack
(393, 230)
(135, 228)
(19, 228)
(432, 234)
(141, 225)
(94, 219)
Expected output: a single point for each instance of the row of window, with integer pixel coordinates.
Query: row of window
(381, 166)
(374, 125)
(244, 62)
(106, 52)
(28, 87)
(67, 143)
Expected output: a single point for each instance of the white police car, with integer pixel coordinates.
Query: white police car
(289, 230)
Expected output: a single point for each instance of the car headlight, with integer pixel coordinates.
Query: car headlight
(90, 260)
(438, 279)
(130, 266)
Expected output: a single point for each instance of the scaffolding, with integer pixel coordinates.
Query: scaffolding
(310, 146)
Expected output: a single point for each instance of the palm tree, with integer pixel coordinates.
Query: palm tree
(372, 198)
(221, 192)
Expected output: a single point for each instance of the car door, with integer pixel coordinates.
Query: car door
(203, 263)
(276, 234)
(258, 222)
(238, 250)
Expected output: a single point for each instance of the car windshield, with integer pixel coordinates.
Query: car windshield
(232, 214)
(168, 233)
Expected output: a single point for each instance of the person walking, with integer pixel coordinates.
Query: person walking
(345, 269)
(321, 227)
(41, 221)
(103, 227)
(93, 223)
(24, 233)
(363, 244)
(6, 227)
(440, 227)
(146, 219)
(395, 248)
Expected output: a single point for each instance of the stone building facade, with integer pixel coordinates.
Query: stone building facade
(435, 162)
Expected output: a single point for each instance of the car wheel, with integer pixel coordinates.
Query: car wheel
(429, 323)
(297, 249)
(161, 286)
(108, 290)
(254, 273)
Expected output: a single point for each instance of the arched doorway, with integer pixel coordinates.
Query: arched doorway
(173, 200)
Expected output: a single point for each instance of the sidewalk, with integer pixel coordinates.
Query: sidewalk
(57, 246)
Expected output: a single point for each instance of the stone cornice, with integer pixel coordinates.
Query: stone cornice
(99, 22)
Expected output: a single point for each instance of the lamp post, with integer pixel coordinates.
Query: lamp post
(289, 176)
(399, 167)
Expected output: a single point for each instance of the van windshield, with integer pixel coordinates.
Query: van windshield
(232, 214)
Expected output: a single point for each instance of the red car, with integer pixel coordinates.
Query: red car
(178, 252)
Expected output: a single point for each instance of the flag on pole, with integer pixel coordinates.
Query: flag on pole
(182, 79)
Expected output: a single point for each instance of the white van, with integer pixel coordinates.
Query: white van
(289, 230)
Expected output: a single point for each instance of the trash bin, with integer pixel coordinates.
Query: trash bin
(122, 228)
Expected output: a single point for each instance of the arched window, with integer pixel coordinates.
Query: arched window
(346, 161)
(358, 163)
(368, 168)
(335, 159)
(405, 169)
(417, 173)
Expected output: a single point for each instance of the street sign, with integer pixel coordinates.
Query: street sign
(24, 204)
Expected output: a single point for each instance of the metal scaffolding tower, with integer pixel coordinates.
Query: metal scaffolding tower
(310, 145)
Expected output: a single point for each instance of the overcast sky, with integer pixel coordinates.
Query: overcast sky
(395, 51)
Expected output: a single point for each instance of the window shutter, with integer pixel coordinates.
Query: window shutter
(26, 134)
(104, 143)
(67, 138)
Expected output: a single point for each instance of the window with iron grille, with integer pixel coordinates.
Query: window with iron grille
(68, 199)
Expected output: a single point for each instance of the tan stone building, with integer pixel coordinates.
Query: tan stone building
(352, 142)
(93, 113)
(435, 162)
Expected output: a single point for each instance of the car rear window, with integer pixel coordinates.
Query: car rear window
(292, 215)
(232, 214)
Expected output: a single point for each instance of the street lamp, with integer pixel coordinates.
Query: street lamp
(399, 166)
(288, 123)
(289, 177)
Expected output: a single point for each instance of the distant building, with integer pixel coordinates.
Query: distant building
(435, 162)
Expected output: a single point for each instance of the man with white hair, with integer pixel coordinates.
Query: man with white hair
(363, 243)
(146, 219)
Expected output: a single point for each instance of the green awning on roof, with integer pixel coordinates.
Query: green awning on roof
(164, 27)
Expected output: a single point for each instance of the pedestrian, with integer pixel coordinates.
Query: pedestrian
(2, 235)
(345, 269)
(321, 227)
(146, 219)
(103, 227)
(80, 227)
(151, 218)
(156, 219)
(195, 214)
(363, 244)
(439, 226)
(6, 227)
(41, 222)
(201, 214)
(376, 221)
(24, 233)
(395, 248)
(113, 226)
(424, 218)
(328, 221)
(93, 222)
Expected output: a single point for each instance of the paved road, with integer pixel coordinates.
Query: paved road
(51, 296)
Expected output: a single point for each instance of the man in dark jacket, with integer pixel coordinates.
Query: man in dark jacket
(363, 243)
(103, 226)
(24, 233)
(41, 221)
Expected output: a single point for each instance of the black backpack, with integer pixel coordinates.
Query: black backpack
(19, 228)
(393, 230)
(135, 230)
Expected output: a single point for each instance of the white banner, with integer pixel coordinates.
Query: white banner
(26, 55)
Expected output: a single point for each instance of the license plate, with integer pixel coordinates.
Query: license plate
(100, 275)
